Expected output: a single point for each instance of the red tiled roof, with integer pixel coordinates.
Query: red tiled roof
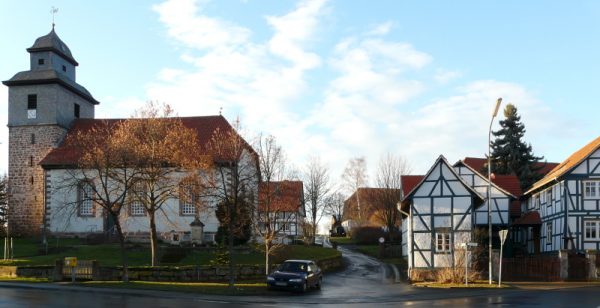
(65, 155)
(286, 196)
(479, 163)
(369, 198)
(409, 182)
(529, 219)
(510, 183)
(568, 164)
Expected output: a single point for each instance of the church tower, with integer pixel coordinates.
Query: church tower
(42, 103)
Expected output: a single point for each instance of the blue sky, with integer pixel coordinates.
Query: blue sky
(336, 79)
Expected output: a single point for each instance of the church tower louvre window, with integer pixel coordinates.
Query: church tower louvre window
(38, 120)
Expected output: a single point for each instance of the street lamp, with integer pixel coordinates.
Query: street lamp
(489, 192)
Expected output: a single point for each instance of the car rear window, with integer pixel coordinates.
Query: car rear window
(293, 267)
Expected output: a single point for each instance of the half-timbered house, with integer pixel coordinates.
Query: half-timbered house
(437, 216)
(563, 208)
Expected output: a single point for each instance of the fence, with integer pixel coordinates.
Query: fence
(530, 268)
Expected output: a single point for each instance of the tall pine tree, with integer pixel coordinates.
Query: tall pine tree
(510, 154)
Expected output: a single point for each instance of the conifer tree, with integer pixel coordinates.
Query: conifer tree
(510, 154)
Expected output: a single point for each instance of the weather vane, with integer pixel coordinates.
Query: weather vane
(220, 110)
(53, 11)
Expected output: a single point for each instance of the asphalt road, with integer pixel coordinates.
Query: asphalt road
(364, 283)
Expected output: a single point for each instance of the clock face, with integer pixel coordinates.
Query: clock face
(31, 114)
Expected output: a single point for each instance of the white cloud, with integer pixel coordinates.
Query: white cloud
(444, 76)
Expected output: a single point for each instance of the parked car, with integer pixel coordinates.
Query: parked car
(296, 275)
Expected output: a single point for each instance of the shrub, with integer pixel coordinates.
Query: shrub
(367, 235)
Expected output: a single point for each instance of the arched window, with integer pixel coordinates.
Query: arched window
(85, 201)
(188, 198)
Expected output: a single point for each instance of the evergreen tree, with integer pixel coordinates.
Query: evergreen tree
(510, 154)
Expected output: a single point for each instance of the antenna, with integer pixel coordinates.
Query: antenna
(53, 11)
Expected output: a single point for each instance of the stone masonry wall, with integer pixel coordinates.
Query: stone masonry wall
(26, 177)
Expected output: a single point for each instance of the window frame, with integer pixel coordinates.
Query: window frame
(184, 205)
(83, 198)
(443, 246)
(594, 186)
(32, 101)
(135, 204)
(41, 61)
(549, 233)
(596, 230)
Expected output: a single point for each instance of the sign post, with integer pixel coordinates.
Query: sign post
(502, 234)
(71, 262)
(466, 246)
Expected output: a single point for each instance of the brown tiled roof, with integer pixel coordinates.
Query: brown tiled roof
(65, 155)
(568, 164)
(514, 209)
(286, 196)
(529, 219)
(510, 183)
(369, 197)
(479, 163)
(409, 182)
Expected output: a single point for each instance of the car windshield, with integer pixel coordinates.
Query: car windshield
(296, 267)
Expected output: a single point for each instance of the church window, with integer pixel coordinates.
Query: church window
(32, 138)
(136, 207)
(76, 110)
(84, 199)
(64, 68)
(40, 61)
(188, 199)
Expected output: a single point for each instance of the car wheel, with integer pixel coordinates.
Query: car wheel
(318, 286)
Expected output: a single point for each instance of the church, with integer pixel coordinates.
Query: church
(45, 105)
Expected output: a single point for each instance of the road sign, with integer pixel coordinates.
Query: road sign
(71, 261)
(503, 234)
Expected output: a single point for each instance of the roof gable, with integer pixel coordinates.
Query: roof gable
(442, 162)
(507, 184)
(568, 164)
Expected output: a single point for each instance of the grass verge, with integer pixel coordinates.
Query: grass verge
(476, 284)
(243, 288)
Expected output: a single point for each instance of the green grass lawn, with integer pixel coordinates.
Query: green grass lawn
(26, 252)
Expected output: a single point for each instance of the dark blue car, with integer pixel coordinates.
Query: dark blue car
(297, 275)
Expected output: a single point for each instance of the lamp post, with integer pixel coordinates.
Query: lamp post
(489, 191)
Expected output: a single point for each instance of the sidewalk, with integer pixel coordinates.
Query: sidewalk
(532, 285)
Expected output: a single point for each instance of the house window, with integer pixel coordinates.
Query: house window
(76, 110)
(40, 61)
(549, 233)
(84, 199)
(443, 242)
(591, 230)
(187, 200)
(591, 189)
(136, 207)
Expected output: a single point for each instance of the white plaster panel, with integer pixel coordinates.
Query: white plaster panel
(442, 205)
(458, 188)
(418, 224)
(422, 205)
(442, 221)
(589, 205)
(461, 204)
(424, 189)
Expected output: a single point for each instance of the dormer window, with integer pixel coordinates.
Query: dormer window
(31, 106)
(40, 61)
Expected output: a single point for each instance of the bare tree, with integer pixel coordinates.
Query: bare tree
(389, 173)
(166, 155)
(354, 177)
(232, 185)
(317, 187)
(272, 216)
(334, 207)
(105, 170)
